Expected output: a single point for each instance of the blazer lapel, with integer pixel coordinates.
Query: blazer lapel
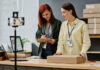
(52, 26)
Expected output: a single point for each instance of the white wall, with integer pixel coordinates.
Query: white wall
(78, 4)
(29, 10)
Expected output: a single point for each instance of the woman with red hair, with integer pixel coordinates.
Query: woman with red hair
(48, 27)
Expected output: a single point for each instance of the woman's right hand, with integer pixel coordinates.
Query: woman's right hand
(43, 36)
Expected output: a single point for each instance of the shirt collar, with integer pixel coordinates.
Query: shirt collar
(74, 22)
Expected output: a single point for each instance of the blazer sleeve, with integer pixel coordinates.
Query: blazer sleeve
(61, 40)
(39, 32)
(86, 40)
(57, 30)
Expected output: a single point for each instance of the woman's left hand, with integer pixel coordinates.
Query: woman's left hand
(52, 41)
(83, 55)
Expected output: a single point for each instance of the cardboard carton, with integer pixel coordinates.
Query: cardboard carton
(91, 15)
(94, 20)
(92, 6)
(19, 55)
(94, 31)
(96, 10)
(97, 26)
(65, 59)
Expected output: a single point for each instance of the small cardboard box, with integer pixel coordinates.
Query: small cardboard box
(94, 20)
(92, 5)
(96, 10)
(94, 31)
(91, 15)
(27, 53)
(65, 59)
(97, 26)
(19, 55)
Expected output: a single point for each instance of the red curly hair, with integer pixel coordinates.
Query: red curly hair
(42, 8)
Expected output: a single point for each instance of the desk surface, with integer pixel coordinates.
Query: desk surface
(43, 63)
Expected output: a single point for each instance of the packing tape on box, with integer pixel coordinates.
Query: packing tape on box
(94, 20)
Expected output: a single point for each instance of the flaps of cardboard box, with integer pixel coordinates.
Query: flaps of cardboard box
(43, 40)
(66, 59)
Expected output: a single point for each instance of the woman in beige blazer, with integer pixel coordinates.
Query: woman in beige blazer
(73, 38)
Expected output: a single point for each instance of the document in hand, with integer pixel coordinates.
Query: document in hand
(43, 39)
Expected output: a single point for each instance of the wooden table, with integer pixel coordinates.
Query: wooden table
(38, 64)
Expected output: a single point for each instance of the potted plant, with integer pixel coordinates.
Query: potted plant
(24, 40)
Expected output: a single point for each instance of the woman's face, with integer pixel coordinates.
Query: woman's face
(46, 15)
(66, 14)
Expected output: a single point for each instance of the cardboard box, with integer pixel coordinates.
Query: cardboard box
(94, 20)
(91, 15)
(94, 31)
(19, 55)
(92, 6)
(97, 26)
(65, 59)
(27, 53)
(96, 10)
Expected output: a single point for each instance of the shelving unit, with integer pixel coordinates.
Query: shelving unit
(94, 55)
(94, 35)
(94, 52)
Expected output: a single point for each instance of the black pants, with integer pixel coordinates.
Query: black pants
(46, 52)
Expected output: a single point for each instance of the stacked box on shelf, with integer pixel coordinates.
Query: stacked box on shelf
(92, 12)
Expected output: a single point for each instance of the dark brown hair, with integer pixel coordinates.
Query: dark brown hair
(69, 6)
(42, 8)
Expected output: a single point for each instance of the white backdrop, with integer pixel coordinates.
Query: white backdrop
(27, 9)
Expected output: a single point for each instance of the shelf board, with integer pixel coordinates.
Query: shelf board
(94, 52)
(94, 35)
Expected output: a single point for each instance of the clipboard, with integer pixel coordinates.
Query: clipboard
(43, 40)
